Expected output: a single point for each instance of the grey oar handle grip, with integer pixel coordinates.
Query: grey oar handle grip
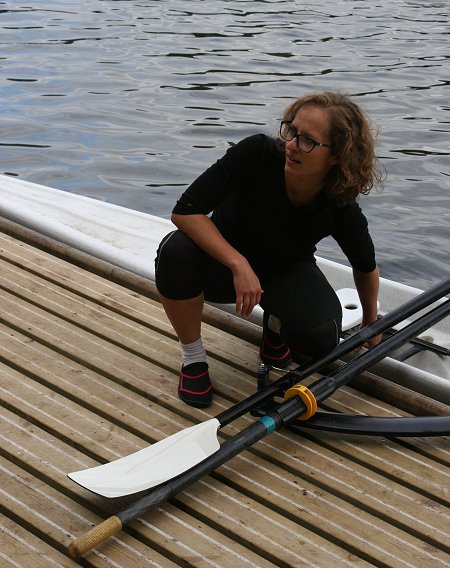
(95, 536)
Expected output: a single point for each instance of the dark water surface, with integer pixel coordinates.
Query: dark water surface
(128, 101)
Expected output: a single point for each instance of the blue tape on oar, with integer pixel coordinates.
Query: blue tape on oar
(269, 423)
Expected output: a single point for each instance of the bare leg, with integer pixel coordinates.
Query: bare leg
(185, 317)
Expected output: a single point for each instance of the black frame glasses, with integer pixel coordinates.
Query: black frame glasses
(304, 143)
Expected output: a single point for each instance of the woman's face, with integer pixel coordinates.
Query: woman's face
(315, 123)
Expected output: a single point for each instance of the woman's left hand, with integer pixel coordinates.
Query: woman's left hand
(372, 342)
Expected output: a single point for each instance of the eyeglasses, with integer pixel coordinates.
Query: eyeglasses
(304, 143)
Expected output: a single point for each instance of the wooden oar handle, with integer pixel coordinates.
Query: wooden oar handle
(95, 536)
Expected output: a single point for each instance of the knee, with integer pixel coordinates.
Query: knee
(314, 342)
(177, 255)
(174, 248)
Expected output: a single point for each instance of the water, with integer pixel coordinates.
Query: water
(128, 101)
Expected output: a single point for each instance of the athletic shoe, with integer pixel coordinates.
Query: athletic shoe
(273, 349)
(195, 386)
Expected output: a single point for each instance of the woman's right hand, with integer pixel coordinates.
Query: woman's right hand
(248, 288)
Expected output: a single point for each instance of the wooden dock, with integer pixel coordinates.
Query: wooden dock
(89, 373)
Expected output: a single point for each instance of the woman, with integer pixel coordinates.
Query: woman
(272, 201)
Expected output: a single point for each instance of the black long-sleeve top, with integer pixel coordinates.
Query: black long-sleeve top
(246, 193)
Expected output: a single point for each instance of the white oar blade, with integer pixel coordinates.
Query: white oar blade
(153, 465)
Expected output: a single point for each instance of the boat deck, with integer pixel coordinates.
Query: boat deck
(89, 374)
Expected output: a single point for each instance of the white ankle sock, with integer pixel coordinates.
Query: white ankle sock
(193, 352)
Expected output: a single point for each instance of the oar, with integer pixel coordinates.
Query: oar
(177, 453)
(300, 401)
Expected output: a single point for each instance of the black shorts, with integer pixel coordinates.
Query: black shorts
(299, 294)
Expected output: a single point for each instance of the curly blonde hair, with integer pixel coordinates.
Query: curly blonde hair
(352, 143)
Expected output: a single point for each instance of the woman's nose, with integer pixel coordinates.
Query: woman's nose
(292, 144)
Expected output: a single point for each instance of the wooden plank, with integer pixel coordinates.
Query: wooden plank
(56, 519)
(22, 549)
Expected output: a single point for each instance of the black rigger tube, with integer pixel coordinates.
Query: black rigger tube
(284, 413)
(375, 425)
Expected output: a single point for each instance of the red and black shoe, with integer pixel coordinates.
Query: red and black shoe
(195, 386)
(273, 350)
